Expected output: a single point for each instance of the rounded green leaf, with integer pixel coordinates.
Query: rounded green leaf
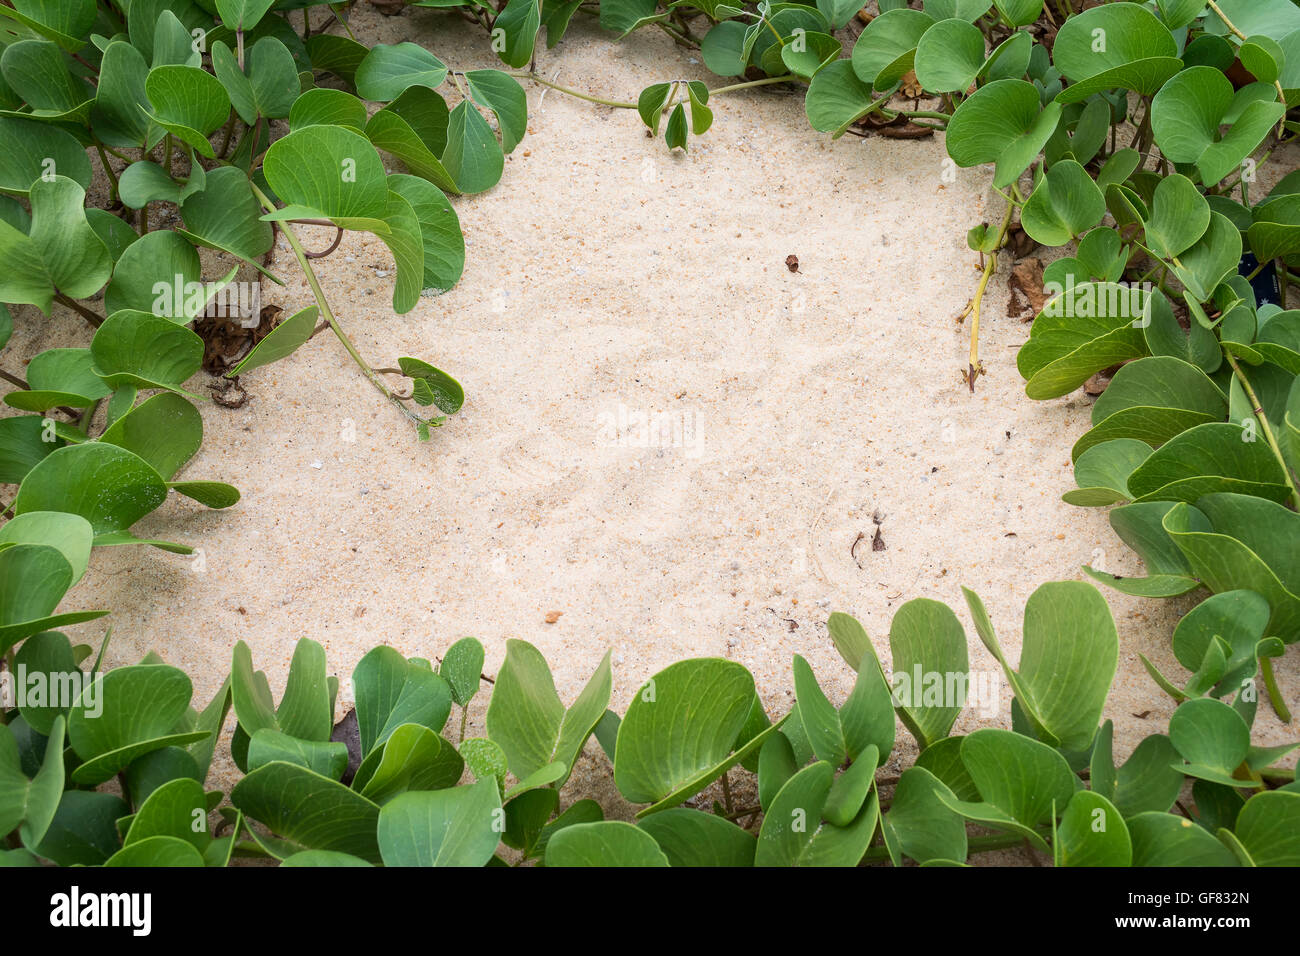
(30, 151)
(70, 534)
(1188, 112)
(329, 169)
(281, 342)
(949, 56)
(1119, 45)
(453, 827)
(607, 843)
(692, 838)
(703, 703)
(836, 98)
(885, 50)
(108, 486)
(189, 103)
(927, 642)
(145, 350)
(387, 71)
(1002, 122)
(1065, 203)
(157, 274)
(1269, 828)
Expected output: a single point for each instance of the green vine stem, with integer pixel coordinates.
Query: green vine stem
(323, 304)
(1269, 436)
(975, 367)
(1274, 692)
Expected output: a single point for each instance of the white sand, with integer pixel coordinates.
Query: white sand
(605, 274)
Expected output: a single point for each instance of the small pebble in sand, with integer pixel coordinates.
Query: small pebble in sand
(318, 465)
(553, 616)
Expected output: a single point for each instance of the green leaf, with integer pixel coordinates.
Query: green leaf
(692, 838)
(850, 639)
(328, 169)
(1092, 833)
(165, 430)
(1116, 46)
(174, 809)
(1065, 203)
(1163, 839)
(885, 50)
(1102, 472)
(242, 14)
(918, 824)
(865, 720)
(157, 851)
(326, 107)
(949, 56)
(83, 831)
(266, 87)
(1211, 260)
(455, 827)
(414, 129)
(1001, 122)
(309, 811)
(189, 103)
(145, 350)
(502, 94)
(1242, 542)
(64, 22)
(387, 71)
(59, 377)
(514, 31)
(23, 445)
(1019, 781)
(37, 72)
(281, 342)
(1213, 740)
(607, 843)
(1209, 458)
(108, 486)
(473, 157)
(1269, 828)
(327, 758)
(813, 53)
(836, 98)
(413, 758)
(1153, 399)
(60, 253)
(337, 54)
(30, 151)
(793, 833)
(1240, 620)
(1019, 13)
(1189, 110)
(132, 711)
(33, 579)
(157, 273)
(704, 703)
(391, 691)
(71, 535)
(462, 668)
(527, 719)
(442, 241)
(926, 641)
